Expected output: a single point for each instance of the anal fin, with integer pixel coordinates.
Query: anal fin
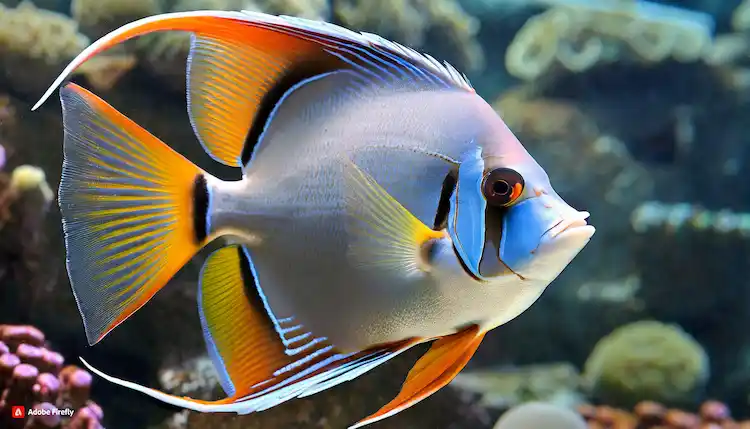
(240, 336)
(262, 360)
(445, 359)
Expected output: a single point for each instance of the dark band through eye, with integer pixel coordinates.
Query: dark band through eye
(444, 205)
(502, 186)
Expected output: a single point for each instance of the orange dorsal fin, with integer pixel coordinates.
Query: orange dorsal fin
(243, 63)
(445, 359)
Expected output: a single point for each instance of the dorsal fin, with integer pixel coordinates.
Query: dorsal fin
(238, 58)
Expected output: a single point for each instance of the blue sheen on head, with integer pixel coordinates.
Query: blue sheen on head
(466, 219)
(523, 227)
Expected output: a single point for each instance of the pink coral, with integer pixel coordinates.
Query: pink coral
(33, 377)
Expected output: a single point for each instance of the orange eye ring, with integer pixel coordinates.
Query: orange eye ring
(502, 186)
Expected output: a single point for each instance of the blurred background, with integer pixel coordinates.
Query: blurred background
(640, 113)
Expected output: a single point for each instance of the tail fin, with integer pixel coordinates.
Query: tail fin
(133, 211)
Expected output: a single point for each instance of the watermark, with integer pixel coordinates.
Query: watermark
(20, 412)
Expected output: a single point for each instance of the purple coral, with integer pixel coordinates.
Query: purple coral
(33, 377)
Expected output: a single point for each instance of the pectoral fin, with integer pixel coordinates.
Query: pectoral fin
(384, 233)
(445, 359)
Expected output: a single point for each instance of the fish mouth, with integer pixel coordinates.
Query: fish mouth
(572, 223)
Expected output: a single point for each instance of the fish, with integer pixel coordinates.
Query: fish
(382, 204)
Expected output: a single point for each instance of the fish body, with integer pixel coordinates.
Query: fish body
(382, 204)
(297, 209)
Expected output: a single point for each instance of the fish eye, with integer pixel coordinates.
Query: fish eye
(502, 186)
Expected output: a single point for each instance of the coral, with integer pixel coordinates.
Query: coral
(36, 39)
(667, 237)
(652, 415)
(413, 21)
(98, 17)
(646, 360)
(540, 415)
(27, 178)
(32, 376)
(25, 197)
(741, 16)
(555, 383)
(39, 34)
(672, 218)
(576, 36)
(103, 71)
(727, 49)
(196, 378)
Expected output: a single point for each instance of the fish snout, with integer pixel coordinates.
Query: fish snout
(542, 235)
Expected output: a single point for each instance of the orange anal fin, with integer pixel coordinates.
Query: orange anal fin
(445, 359)
(263, 360)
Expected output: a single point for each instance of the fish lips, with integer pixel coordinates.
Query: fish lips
(540, 236)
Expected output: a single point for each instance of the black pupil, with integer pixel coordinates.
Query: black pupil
(501, 187)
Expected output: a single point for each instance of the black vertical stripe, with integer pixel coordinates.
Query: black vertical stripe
(200, 208)
(252, 290)
(444, 205)
(300, 71)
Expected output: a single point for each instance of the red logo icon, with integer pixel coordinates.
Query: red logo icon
(18, 412)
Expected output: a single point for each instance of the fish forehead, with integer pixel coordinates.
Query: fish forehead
(445, 122)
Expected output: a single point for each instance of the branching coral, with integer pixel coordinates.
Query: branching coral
(578, 35)
(646, 360)
(33, 377)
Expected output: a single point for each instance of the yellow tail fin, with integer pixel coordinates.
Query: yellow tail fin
(133, 211)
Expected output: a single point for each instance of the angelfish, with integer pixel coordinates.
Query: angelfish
(383, 204)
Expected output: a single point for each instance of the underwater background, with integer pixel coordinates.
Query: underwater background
(640, 113)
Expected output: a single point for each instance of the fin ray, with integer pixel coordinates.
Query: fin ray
(257, 362)
(278, 34)
(240, 337)
(445, 359)
(105, 197)
(226, 81)
(386, 234)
